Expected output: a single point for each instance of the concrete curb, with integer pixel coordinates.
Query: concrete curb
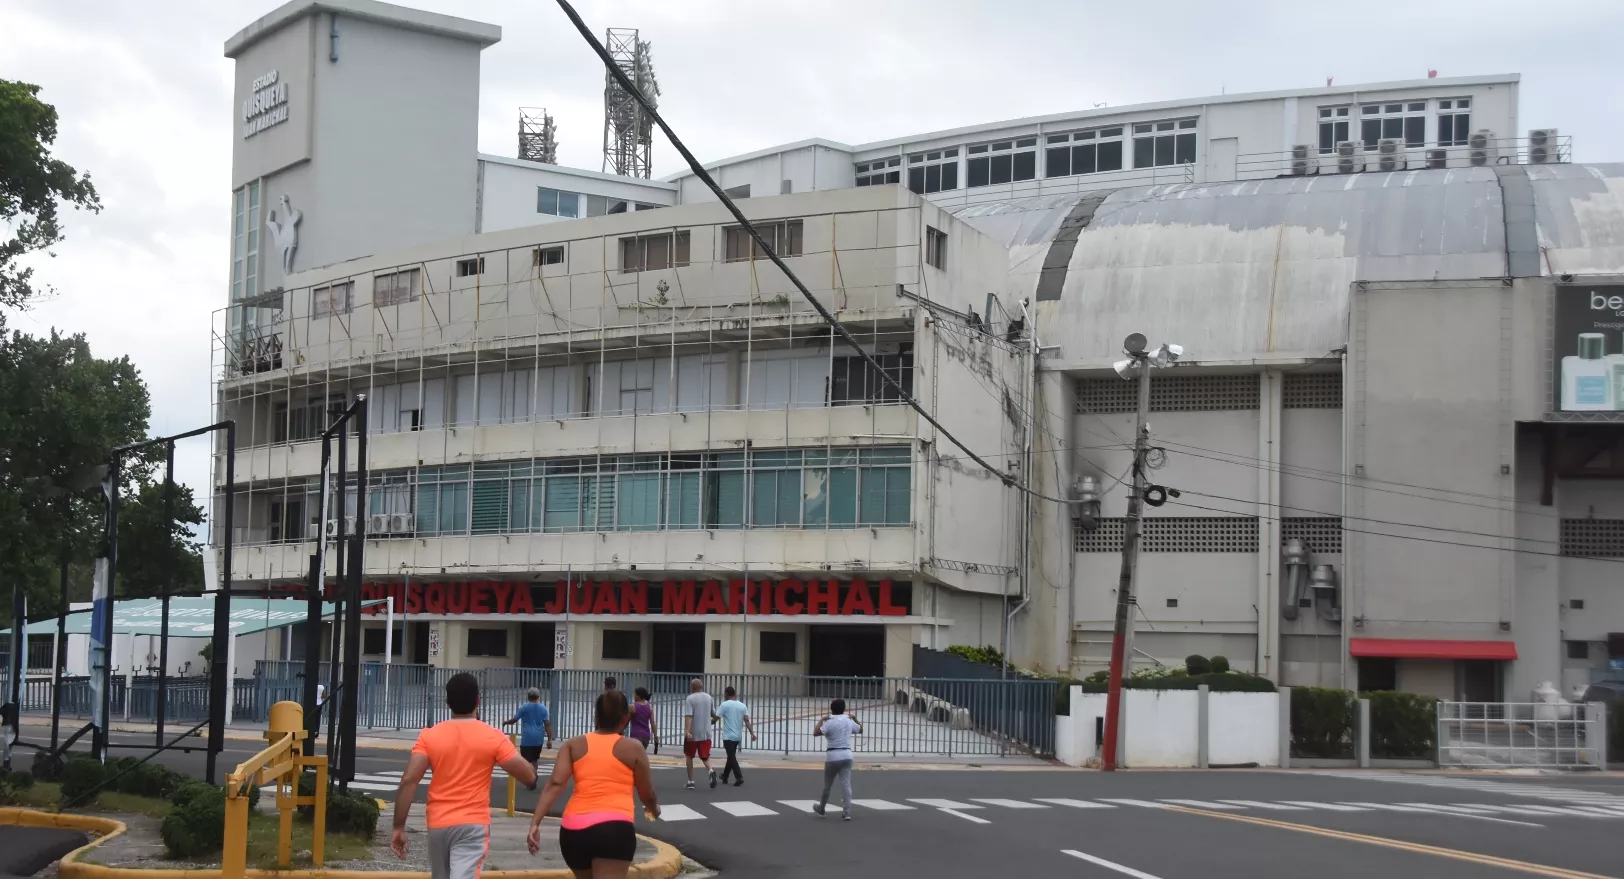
(666, 863)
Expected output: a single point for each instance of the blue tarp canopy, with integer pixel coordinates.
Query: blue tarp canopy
(191, 617)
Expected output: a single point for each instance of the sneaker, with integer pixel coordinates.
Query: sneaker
(689, 786)
(713, 778)
(845, 816)
(817, 810)
(739, 783)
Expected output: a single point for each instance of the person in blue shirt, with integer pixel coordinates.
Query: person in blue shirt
(535, 726)
(735, 722)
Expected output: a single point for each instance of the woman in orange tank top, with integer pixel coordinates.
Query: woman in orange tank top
(597, 838)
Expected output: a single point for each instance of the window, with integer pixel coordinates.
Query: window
(1454, 121)
(547, 256)
(1404, 121)
(853, 381)
(396, 287)
(372, 641)
(1333, 127)
(1158, 144)
(1172, 602)
(1084, 152)
(622, 644)
(716, 648)
(469, 267)
(650, 252)
(245, 226)
(740, 191)
(558, 202)
(487, 642)
(936, 248)
(600, 205)
(1576, 603)
(332, 299)
(785, 238)
(1003, 161)
(778, 647)
(935, 171)
(879, 172)
(1378, 674)
(1578, 649)
(648, 207)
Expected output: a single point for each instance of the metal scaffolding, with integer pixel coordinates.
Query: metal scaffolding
(628, 132)
(538, 136)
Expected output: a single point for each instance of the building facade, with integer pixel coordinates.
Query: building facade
(1392, 433)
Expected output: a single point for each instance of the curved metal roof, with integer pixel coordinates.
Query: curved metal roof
(1261, 269)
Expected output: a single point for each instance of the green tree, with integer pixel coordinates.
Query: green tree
(62, 411)
(33, 184)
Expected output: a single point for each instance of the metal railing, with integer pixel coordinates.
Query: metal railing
(902, 716)
(1475, 152)
(1522, 734)
(185, 698)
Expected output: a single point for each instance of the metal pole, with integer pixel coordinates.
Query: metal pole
(167, 587)
(17, 662)
(61, 638)
(352, 617)
(313, 616)
(99, 742)
(388, 646)
(1125, 584)
(220, 684)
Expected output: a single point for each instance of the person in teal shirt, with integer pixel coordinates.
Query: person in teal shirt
(535, 726)
(735, 723)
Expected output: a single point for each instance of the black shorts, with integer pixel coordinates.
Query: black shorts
(610, 840)
(530, 753)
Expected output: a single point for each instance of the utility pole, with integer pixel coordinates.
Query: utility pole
(1138, 366)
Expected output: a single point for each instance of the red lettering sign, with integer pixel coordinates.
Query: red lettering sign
(560, 594)
(521, 600)
(887, 607)
(677, 598)
(858, 600)
(789, 601)
(434, 598)
(503, 592)
(825, 595)
(479, 595)
(606, 601)
(634, 597)
(710, 598)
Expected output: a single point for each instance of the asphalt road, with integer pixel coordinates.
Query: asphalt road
(25, 851)
(949, 823)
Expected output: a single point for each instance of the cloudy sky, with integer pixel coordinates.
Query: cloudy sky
(145, 99)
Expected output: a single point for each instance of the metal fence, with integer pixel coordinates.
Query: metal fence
(186, 699)
(1522, 734)
(901, 716)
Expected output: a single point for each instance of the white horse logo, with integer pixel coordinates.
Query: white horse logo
(285, 233)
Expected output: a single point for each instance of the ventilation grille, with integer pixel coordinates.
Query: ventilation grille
(1312, 390)
(1323, 534)
(1173, 534)
(1173, 393)
(1602, 538)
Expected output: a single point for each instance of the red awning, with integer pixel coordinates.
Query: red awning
(1407, 648)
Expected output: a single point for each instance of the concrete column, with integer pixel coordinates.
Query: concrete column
(1270, 400)
(1596, 732)
(1361, 720)
(1285, 727)
(1203, 720)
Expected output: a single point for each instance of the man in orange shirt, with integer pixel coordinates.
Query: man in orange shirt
(461, 751)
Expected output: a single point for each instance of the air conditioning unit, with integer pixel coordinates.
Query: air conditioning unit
(349, 525)
(312, 531)
(1390, 154)
(1543, 148)
(1437, 159)
(1350, 157)
(400, 523)
(378, 523)
(1304, 160)
(331, 531)
(1481, 149)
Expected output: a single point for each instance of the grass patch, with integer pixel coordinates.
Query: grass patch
(262, 835)
(47, 795)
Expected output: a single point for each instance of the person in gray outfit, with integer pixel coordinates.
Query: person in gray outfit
(837, 728)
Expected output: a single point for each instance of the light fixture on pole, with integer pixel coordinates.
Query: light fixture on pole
(1136, 366)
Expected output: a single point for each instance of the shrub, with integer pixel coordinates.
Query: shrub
(46, 767)
(987, 655)
(1321, 722)
(1196, 664)
(1231, 682)
(1220, 664)
(81, 776)
(13, 783)
(1062, 695)
(151, 780)
(1402, 725)
(196, 826)
(351, 812)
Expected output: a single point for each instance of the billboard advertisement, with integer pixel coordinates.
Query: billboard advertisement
(1588, 348)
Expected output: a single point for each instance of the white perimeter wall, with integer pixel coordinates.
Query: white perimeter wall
(1162, 728)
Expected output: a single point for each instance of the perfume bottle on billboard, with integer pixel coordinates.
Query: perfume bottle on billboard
(1587, 383)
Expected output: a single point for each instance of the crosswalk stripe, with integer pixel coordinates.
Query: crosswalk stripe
(743, 809)
(1203, 804)
(1390, 807)
(1535, 811)
(883, 805)
(803, 805)
(679, 812)
(374, 786)
(966, 816)
(1075, 804)
(1009, 804)
(944, 804)
(1143, 804)
(1465, 810)
(1330, 807)
(1278, 807)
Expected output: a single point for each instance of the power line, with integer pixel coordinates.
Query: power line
(835, 326)
(1344, 517)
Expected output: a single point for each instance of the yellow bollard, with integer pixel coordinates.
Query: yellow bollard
(282, 763)
(512, 786)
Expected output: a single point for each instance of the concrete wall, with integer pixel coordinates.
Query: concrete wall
(1161, 728)
(807, 167)
(508, 197)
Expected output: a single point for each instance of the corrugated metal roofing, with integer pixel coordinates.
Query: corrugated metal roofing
(1263, 268)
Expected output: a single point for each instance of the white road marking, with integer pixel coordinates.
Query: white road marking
(1075, 804)
(944, 804)
(1203, 804)
(1009, 804)
(1332, 807)
(743, 809)
(882, 805)
(679, 812)
(1535, 811)
(1143, 804)
(803, 805)
(1278, 807)
(966, 816)
(1109, 865)
(1434, 809)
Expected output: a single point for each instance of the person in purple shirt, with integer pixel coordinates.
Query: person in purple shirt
(642, 726)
